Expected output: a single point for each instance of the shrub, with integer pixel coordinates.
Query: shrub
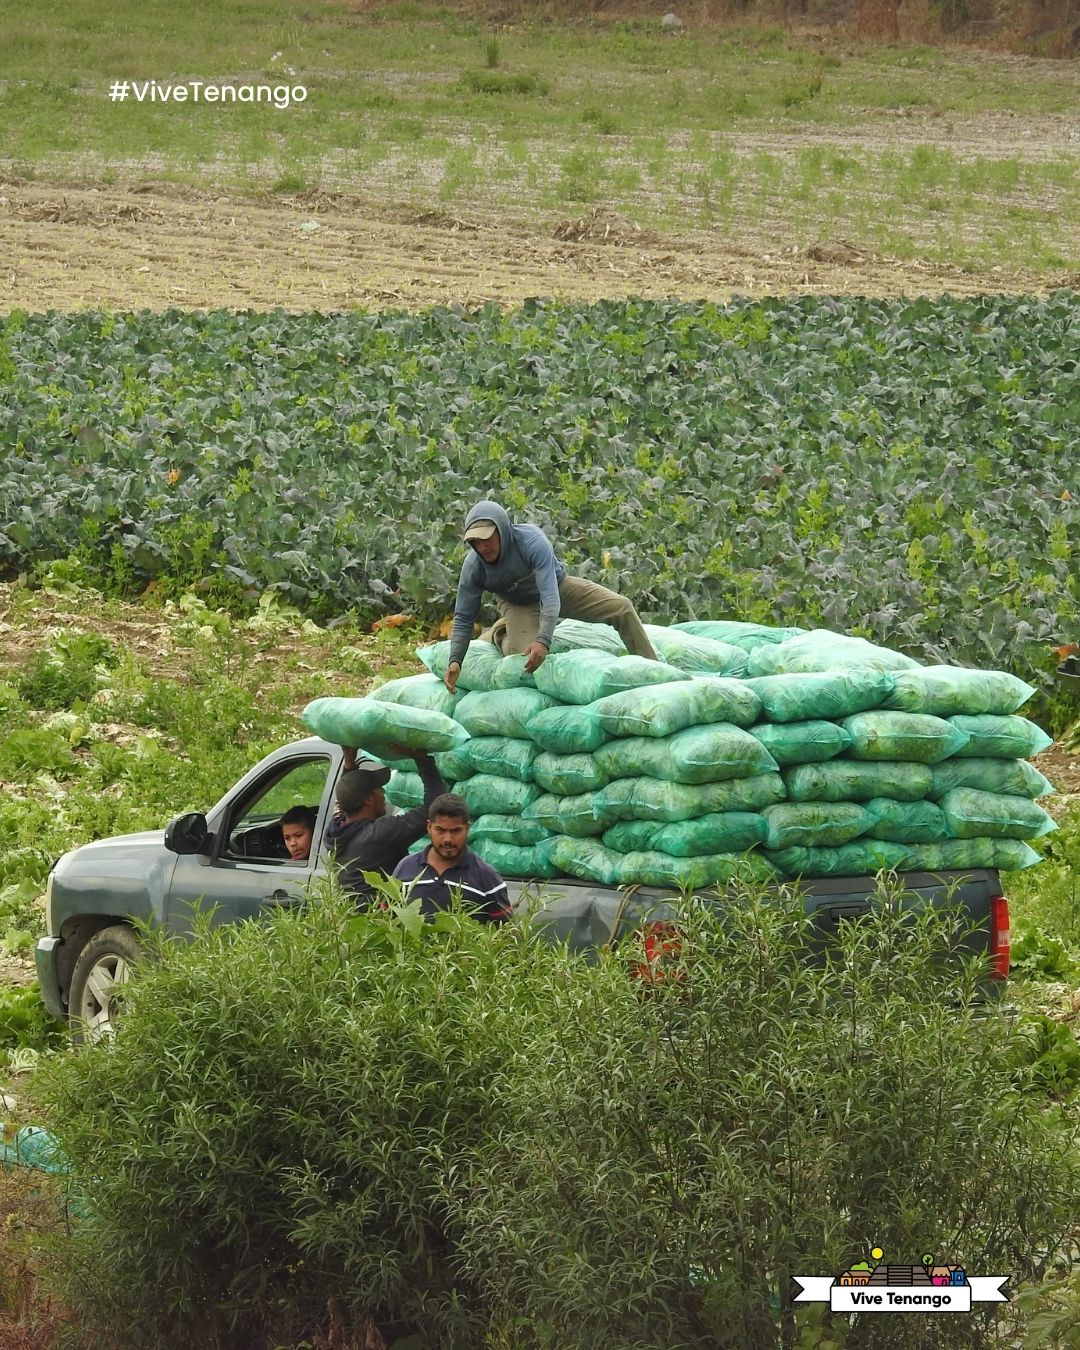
(469, 1134)
(25, 1023)
(665, 1165)
(70, 673)
(270, 1131)
(499, 82)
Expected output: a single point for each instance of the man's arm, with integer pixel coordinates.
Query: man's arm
(495, 907)
(466, 608)
(401, 831)
(541, 556)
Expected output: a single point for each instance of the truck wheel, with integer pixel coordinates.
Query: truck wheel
(102, 969)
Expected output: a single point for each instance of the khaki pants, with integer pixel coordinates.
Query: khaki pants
(578, 599)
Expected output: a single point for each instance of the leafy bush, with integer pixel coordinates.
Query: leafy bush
(25, 1024)
(470, 1134)
(1047, 1055)
(664, 1165)
(500, 82)
(71, 672)
(328, 1075)
(33, 750)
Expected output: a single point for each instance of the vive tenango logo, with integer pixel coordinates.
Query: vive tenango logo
(933, 1286)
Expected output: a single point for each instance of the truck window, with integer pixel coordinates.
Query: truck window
(253, 830)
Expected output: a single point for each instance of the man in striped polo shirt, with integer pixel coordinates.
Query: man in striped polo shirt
(448, 866)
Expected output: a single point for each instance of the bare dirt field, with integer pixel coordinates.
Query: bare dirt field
(157, 245)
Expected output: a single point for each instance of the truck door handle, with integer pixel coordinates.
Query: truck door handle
(839, 912)
(279, 897)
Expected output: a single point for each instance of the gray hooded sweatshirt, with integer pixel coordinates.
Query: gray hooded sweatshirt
(527, 573)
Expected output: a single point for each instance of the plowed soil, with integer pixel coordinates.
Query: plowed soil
(158, 245)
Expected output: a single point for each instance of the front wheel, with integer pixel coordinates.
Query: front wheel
(97, 982)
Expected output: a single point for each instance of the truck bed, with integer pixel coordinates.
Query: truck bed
(587, 915)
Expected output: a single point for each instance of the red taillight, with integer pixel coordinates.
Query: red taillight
(999, 937)
(661, 945)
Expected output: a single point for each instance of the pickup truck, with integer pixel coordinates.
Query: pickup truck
(234, 858)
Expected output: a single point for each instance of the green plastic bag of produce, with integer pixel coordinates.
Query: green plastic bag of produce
(584, 858)
(380, 727)
(567, 775)
(405, 790)
(503, 829)
(651, 799)
(574, 634)
(814, 824)
(948, 690)
(995, 737)
(742, 794)
(861, 858)
(1008, 855)
(895, 735)
(453, 765)
(848, 780)
(717, 832)
(580, 816)
(692, 874)
(697, 755)
(738, 633)
(488, 793)
(1013, 777)
(810, 742)
(972, 814)
(478, 670)
(907, 822)
(690, 651)
(515, 860)
(506, 756)
(585, 676)
(828, 694)
(418, 691)
(667, 708)
(821, 650)
(567, 730)
(501, 712)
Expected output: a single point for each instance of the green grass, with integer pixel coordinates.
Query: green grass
(414, 99)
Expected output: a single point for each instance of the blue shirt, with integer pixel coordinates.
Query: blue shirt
(480, 885)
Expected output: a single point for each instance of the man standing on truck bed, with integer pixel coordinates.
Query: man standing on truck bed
(532, 590)
(365, 838)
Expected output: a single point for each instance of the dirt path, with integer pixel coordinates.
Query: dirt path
(156, 245)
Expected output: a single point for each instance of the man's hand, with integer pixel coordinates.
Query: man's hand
(348, 757)
(534, 655)
(453, 670)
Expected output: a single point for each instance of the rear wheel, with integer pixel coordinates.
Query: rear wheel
(97, 982)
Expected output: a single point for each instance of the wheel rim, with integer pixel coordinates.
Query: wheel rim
(99, 1006)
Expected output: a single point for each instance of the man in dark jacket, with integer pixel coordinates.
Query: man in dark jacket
(532, 590)
(366, 839)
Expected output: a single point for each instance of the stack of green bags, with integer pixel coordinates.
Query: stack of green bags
(746, 751)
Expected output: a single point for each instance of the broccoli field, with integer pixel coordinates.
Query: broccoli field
(900, 469)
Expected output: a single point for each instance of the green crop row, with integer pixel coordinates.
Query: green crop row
(901, 469)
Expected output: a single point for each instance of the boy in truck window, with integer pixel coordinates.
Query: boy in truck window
(298, 830)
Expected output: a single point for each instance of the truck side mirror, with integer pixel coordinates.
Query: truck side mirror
(188, 834)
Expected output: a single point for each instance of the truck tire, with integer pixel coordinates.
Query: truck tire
(103, 966)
